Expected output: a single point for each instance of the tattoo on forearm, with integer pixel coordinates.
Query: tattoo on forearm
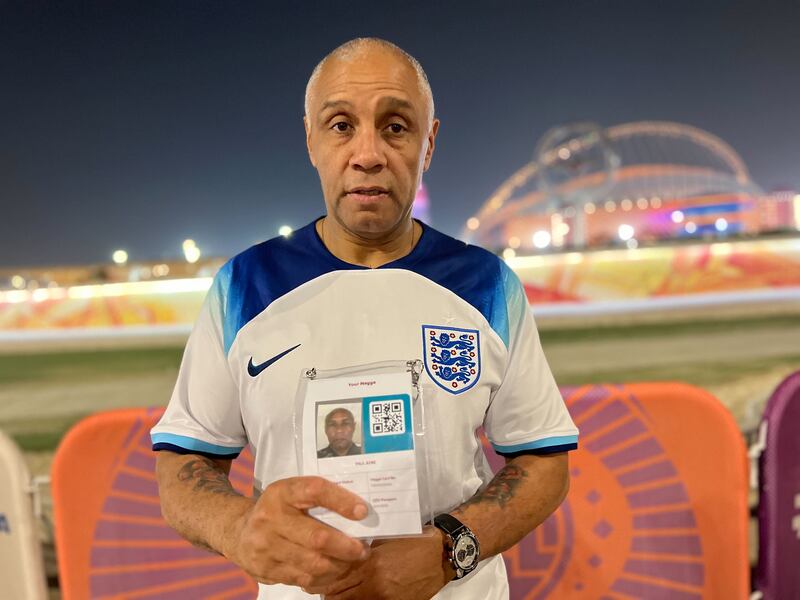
(501, 489)
(206, 476)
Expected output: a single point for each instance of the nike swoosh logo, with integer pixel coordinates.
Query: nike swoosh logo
(254, 370)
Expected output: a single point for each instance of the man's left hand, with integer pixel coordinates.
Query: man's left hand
(401, 569)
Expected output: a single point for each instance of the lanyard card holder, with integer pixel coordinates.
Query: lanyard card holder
(362, 427)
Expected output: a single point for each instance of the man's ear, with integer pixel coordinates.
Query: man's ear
(431, 144)
(307, 126)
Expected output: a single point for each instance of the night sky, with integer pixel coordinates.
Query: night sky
(137, 124)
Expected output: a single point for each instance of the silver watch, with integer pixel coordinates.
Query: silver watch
(461, 544)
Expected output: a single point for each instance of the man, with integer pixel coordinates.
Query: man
(365, 283)
(340, 425)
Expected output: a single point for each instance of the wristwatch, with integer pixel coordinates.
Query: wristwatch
(461, 545)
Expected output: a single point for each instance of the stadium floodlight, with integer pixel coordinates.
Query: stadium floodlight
(119, 257)
(691, 227)
(541, 239)
(285, 230)
(677, 216)
(625, 232)
(18, 282)
(721, 224)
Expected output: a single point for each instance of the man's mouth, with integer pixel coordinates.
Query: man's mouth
(367, 194)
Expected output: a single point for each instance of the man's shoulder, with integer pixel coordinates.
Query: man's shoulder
(442, 247)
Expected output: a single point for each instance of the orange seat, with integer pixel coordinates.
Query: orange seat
(111, 540)
(657, 506)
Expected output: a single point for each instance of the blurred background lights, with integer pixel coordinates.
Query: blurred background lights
(509, 253)
(189, 243)
(120, 257)
(632, 244)
(285, 230)
(589, 208)
(514, 242)
(161, 270)
(541, 239)
(473, 223)
(691, 227)
(192, 254)
(18, 282)
(677, 216)
(721, 224)
(626, 204)
(625, 232)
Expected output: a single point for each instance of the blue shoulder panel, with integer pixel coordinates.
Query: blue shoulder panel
(475, 275)
(252, 280)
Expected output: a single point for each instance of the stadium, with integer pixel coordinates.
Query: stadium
(665, 283)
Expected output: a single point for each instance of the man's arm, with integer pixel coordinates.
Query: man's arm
(519, 498)
(271, 538)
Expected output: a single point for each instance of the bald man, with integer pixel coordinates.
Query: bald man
(362, 284)
(340, 425)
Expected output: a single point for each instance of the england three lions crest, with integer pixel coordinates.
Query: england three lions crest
(452, 357)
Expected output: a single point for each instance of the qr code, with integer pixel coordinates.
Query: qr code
(387, 417)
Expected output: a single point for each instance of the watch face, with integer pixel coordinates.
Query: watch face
(465, 552)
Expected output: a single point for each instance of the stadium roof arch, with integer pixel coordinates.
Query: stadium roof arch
(582, 163)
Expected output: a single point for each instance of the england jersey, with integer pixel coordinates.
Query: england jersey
(289, 304)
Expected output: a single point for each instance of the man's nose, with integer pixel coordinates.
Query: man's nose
(368, 154)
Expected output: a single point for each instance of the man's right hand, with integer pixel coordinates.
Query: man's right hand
(276, 541)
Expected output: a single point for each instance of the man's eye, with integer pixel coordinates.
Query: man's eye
(341, 127)
(396, 128)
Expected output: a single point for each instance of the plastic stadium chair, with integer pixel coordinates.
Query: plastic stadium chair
(111, 540)
(657, 506)
(21, 566)
(777, 576)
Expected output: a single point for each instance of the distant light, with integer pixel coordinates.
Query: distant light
(40, 295)
(509, 253)
(120, 257)
(569, 212)
(33, 285)
(564, 153)
(677, 216)
(721, 224)
(473, 223)
(626, 204)
(655, 202)
(563, 229)
(589, 207)
(691, 227)
(160, 270)
(188, 244)
(796, 211)
(625, 232)
(514, 242)
(192, 254)
(18, 282)
(285, 230)
(610, 206)
(632, 244)
(642, 203)
(541, 239)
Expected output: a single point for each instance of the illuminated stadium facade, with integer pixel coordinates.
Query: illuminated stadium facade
(628, 184)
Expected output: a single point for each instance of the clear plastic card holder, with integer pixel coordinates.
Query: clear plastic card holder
(363, 427)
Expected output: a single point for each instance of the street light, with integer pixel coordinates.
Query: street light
(119, 257)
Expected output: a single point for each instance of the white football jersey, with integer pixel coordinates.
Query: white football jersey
(289, 304)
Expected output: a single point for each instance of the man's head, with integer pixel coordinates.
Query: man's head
(370, 133)
(339, 428)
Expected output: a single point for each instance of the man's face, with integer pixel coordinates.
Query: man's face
(339, 427)
(369, 138)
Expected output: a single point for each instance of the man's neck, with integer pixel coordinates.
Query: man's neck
(365, 252)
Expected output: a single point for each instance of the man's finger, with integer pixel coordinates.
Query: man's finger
(309, 533)
(308, 492)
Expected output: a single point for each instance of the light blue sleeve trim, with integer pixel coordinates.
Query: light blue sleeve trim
(560, 440)
(192, 444)
(509, 304)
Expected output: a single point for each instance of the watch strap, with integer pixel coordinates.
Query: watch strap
(449, 524)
